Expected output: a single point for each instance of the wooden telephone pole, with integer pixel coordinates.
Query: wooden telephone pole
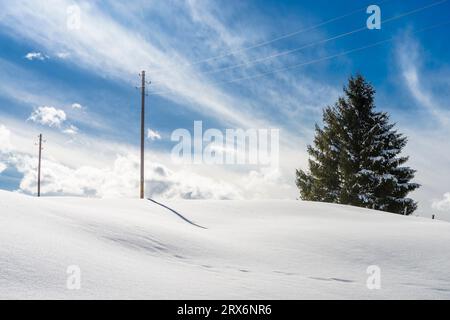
(39, 166)
(142, 133)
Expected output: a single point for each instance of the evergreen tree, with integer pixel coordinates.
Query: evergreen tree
(355, 158)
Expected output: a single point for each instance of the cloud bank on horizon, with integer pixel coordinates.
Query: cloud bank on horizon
(69, 69)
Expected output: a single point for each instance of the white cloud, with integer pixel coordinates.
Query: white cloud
(71, 130)
(153, 135)
(443, 204)
(182, 184)
(77, 106)
(49, 116)
(5, 146)
(35, 56)
(71, 169)
(275, 184)
(63, 55)
(118, 180)
(5, 139)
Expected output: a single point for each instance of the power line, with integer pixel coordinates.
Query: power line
(313, 61)
(283, 53)
(330, 57)
(266, 42)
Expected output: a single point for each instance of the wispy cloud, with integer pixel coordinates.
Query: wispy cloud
(77, 106)
(427, 146)
(3, 167)
(153, 135)
(5, 139)
(38, 91)
(71, 130)
(91, 47)
(201, 13)
(409, 55)
(63, 55)
(35, 56)
(5, 146)
(443, 204)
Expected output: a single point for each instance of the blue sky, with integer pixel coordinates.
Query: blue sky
(205, 59)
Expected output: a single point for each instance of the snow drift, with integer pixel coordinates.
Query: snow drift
(198, 249)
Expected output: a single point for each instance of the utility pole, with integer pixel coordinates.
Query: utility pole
(39, 166)
(142, 133)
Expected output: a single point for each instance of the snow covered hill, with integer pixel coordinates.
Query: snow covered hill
(216, 249)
